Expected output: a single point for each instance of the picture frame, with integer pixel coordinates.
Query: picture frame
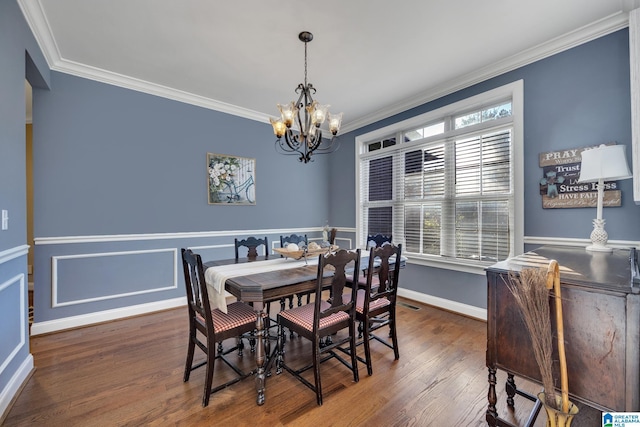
(231, 180)
(560, 187)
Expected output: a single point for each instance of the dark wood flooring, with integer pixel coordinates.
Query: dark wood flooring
(129, 373)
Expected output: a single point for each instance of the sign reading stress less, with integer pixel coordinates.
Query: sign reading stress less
(559, 186)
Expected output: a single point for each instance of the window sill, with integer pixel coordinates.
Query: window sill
(472, 267)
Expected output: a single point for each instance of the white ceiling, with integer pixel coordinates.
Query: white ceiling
(369, 58)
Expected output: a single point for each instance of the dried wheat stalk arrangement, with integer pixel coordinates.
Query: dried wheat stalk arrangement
(531, 294)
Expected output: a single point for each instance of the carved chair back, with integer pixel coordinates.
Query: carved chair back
(294, 238)
(252, 244)
(380, 267)
(339, 265)
(378, 239)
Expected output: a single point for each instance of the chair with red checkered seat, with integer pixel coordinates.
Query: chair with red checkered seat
(376, 302)
(324, 317)
(209, 328)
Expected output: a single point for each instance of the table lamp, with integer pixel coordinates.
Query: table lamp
(603, 163)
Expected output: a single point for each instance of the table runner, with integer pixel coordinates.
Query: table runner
(216, 277)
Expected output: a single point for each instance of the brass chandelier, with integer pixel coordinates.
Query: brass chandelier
(307, 116)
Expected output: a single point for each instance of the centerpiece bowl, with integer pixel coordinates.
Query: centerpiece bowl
(306, 253)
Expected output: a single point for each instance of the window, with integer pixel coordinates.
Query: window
(448, 184)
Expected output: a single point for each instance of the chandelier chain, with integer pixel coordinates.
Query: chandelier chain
(305, 64)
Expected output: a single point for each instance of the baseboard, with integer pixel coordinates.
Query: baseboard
(10, 392)
(49, 326)
(457, 307)
(71, 322)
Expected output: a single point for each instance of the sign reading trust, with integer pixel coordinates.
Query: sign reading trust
(621, 419)
(559, 186)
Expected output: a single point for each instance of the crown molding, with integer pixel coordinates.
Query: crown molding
(115, 79)
(36, 19)
(567, 41)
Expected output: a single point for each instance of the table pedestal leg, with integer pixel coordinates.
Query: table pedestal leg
(492, 413)
(511, 389)
(260, 357)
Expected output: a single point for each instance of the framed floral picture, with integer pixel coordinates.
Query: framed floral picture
(231, 180)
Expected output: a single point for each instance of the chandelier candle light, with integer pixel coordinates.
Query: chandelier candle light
(603, 163)
(308, 115)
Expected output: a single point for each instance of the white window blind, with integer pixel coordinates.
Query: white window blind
(449, 194)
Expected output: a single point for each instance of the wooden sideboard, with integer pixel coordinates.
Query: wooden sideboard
(601, 308)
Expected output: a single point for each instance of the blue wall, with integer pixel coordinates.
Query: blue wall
(110, 162)
(576, 98)
(19, 57)
(120, 183)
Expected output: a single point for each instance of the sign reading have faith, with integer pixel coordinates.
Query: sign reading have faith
(559, 186)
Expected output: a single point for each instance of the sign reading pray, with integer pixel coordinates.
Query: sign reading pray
(559, 186)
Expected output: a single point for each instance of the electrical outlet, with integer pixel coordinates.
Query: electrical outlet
(5, 219)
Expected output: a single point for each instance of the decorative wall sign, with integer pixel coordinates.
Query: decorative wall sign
(231, 180)
(559, 186)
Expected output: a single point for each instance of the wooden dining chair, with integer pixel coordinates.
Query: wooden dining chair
(252, 244)
(376, 302)
(378, 239)
(208, 328)
(373, 241)
(322, 318)
(297, 239)
(294, 238)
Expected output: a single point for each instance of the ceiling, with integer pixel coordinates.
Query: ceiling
(368, 59)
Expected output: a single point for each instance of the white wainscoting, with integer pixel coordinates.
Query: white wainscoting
(71, 322)
(457, 307)
(23, 372)
(12, 253)
(19, 281)
(64, 240)
(75, 321)
(348, 243)
(16, 381)
(55, 283)
(196, 248)
(107, 315)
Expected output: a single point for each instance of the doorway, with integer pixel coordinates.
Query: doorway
(29, 168)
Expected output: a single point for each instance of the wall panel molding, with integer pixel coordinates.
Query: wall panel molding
(196, 248)
(64, 240)
(18, 280)
(348, 242)
(55, 281)
(12, 253)
(12, 388)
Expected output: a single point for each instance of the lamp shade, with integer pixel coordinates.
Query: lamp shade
(606, 162)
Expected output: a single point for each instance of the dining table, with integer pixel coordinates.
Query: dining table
(262, 285)
(268, 278)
